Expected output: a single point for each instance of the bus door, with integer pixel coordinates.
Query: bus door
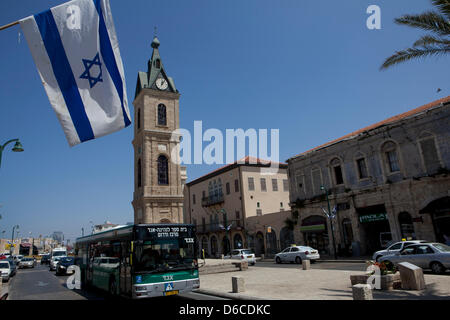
(125, 269)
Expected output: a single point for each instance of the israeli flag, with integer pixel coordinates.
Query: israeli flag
(75, 48)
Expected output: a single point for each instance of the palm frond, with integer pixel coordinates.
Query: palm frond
(430, 21)
(415, 53)
(430, 40)
(443, 6)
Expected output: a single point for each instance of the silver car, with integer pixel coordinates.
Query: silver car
(434, 256)
(243, 254)
(297, 254)
(26, 263)
(394, 248)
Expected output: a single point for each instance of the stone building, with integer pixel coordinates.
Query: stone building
(228, 197)
(388, 181)
(159, 179)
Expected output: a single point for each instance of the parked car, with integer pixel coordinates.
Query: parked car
(5, 270)
(64, 264)
(12, 266)
(297, 254)
(45, 259)
(243, 254)
(26, 263)
(17, 258)
(394, 248)
(434, 256)
(54, 262)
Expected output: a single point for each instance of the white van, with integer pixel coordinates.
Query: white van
(57, 253)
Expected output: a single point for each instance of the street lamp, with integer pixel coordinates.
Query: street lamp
(12, 239)
(329, 214)
(17, 148)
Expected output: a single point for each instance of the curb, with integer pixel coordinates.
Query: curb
(232, 296)
(319, 261)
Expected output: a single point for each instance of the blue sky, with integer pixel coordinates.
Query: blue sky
(308, 68)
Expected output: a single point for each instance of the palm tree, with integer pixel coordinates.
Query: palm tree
(437, 43)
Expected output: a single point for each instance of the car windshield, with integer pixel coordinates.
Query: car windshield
(27, 259)
(59, 253)
(247, 252)
(164, 255)
(66, 259)
(4, 265)
(442, 247)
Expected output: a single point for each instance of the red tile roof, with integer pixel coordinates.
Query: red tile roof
(381, 123)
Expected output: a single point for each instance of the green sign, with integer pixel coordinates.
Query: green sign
(373, 217)
(317, 227)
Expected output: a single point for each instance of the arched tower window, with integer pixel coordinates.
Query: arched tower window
(139, 119)
(162, 115)
(139, 177)
(163, 170)
(158, 64)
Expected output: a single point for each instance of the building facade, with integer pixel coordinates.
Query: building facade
(221, 202)
(158, 190)
(387, 182)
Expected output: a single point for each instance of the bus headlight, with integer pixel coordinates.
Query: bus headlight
(141, 288)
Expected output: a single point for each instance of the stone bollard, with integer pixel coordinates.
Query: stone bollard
(262, 256)
(222, 256)
(411, 276)
(362, 292)
(306, 264)
(238, 284)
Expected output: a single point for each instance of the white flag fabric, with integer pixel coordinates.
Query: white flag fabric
(75, 48)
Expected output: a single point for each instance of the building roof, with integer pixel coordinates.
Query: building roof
(247, 161)
(391, 120)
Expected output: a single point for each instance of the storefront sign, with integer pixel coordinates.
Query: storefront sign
(373, 217)
(313, 228)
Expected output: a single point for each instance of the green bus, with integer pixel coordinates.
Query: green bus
(140, 261)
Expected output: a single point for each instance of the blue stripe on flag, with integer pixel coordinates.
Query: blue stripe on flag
(109, 59)
(63, 74)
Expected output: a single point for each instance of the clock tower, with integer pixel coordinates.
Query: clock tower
(158, 181)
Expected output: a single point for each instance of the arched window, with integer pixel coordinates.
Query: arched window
(389, 150)
(139, 177)
(139, 119)
(162, 115)
(337, 171)
(406, 226)
(163, 171)
(237, 241)
(158, 64)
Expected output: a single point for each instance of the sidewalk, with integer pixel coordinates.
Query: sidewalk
(274, 283)
(330, 259)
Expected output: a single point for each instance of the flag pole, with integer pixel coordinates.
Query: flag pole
(9, 25)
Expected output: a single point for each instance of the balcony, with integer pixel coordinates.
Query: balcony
(212, 200)
(219, 226)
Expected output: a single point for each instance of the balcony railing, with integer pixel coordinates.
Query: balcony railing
(215, 227)
(212, 200)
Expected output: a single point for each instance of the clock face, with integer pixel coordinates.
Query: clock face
(162, 84)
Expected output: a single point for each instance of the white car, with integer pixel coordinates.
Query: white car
(5, 270)
(54, 262)
(394, 248)
(26, 263)
(243, 254)
(297, 254)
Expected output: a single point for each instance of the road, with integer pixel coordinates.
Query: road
(40, 284)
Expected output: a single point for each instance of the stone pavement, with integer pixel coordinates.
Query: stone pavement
(293, 283)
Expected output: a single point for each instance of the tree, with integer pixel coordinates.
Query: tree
(436, 43)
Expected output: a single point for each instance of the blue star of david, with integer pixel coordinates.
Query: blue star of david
(87, 73)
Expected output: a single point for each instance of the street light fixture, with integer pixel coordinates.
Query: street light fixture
(17, 148)
(330, 217)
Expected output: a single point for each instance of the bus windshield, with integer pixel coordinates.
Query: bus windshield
(163, 255)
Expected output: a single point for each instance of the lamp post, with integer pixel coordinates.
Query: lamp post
(331, 221)
(17, 148)
(12, 239)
